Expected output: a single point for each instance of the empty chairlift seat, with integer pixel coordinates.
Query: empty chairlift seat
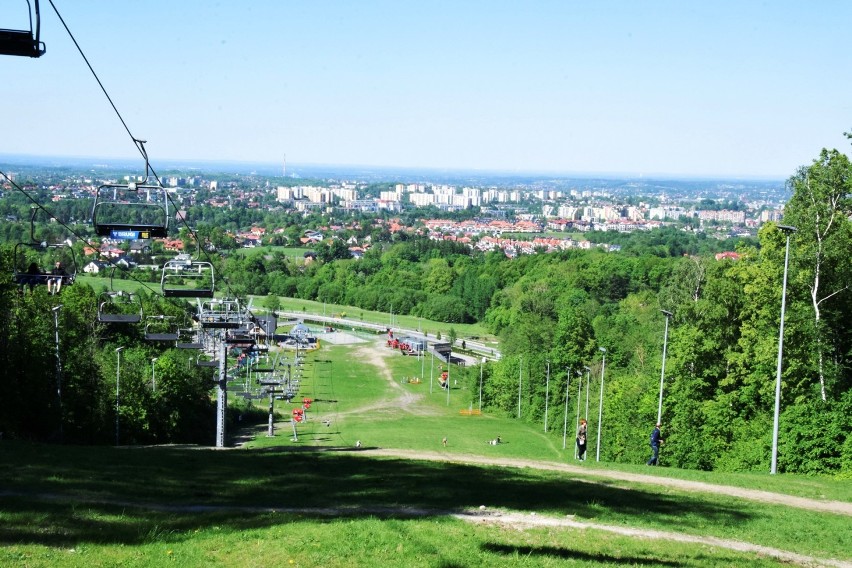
(184, 277)
(21, 41)
(160, 328)
(119, 307)
(131, 211)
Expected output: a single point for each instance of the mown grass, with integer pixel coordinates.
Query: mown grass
(353, 382)
(311, 307)
(295, 252)
(264, 539)
(463, 330)
(320, 502)
(128, 497)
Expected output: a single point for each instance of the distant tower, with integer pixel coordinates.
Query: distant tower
(284, 168)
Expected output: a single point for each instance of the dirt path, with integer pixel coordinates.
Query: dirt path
(526, 520)
(508, 519)
(376, 353)
(838, 507)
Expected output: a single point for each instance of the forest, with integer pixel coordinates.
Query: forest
(556, 315)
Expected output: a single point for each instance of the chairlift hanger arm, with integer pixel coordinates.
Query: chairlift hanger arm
(24, 43)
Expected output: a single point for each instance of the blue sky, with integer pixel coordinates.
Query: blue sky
(740, 88)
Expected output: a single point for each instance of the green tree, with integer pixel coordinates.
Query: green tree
(820, 208)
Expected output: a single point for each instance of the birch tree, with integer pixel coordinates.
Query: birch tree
(820, 209)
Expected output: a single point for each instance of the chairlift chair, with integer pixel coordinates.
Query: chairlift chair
(160, 328)
(131, 211)
(188, 339)
(39, 262)
(119, 307)
(199, 362)
(26, 42)
(182, 278)
(220, 314)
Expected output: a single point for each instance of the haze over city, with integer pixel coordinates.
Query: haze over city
(729, 89)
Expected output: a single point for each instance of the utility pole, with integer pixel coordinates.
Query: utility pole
(546, 395)
(58, 369)
(520, 381)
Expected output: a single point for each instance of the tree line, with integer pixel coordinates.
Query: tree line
(553, 314)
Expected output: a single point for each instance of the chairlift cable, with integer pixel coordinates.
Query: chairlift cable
(41, 207)
(95, 75)
(140, 146)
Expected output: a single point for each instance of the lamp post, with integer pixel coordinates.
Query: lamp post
(588, 382)
(117, 383)
(600, 405)
(482, 364)
(449, 361)
(58, 367)
(579, 398)
(788, 230)
(431, 371)
(546, 395)
(153, 375)
(565, 420)
(520, 381)
(663, 372)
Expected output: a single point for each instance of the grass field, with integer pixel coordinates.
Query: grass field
(319, 308)
(395, 321)
(319, 501)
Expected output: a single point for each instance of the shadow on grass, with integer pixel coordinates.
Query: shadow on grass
(62, 495)
(568, 554)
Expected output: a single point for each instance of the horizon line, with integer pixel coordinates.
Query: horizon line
(437, 169)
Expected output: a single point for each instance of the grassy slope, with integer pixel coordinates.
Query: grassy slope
(87, 494)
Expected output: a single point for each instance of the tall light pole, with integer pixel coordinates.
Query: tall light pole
(565, 420)
(588, 382)
(481, 365)
(520, 381)
(449, 361)
(663, 372)
(579, 398)
(58, 367)
(153, 375)
(600, 404)
(431, 370)
(546, 395)
(117, 383)
(788, 230)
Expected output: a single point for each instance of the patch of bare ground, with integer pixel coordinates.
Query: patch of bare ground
(838, 507)
(403, 400)
(521, 521)
(509, 519)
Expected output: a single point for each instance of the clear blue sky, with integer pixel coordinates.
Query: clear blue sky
(684, 88)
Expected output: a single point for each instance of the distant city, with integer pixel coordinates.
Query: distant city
(506, 202)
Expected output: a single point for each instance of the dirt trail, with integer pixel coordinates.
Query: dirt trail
(526, 520)
(838, 507)
(404, 400)
(516, 520)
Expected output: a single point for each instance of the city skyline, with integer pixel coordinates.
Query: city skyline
(728, 90)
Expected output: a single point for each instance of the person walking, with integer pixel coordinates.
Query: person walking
(656, 442)
(581, 440)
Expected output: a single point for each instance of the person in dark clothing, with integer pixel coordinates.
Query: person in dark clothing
(656, 442)
(54, 283)
(31, 276)
(581, 440)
